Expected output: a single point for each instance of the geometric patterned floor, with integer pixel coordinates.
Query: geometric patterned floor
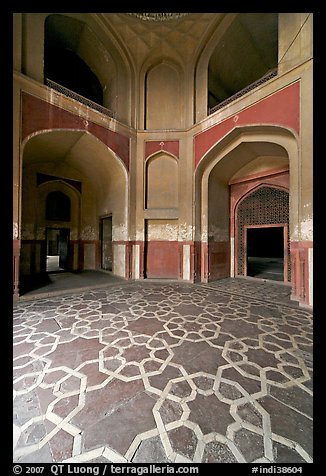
(158, 372)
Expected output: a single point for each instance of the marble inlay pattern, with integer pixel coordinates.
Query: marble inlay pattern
(164, 372)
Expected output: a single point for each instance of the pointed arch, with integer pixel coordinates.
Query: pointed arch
(161, 94)
(212, 178)
(264, 206)
(161, 181)
(94, 178)
(220, 155)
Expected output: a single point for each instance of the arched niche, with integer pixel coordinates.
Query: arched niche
(161, 187)
(246, 42)
(95, 46)
(68, 193)
(36, 222)
(71, 58)
(163, 97)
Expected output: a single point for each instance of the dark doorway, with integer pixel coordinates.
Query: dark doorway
(57, 245)
(57, 206)
(106, 243)
(265, 252)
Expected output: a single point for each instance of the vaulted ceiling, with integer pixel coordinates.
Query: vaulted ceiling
(182, 36)
(243, 49)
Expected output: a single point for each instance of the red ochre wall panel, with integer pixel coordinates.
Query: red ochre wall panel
(162, 259)
(281, 108)
(39, 115)
(153, 146)
(300, 270)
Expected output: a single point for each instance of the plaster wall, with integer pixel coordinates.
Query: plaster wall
(295, 44)
(17, 41)
(260, 165)
(162, 230)
(33, 45)
(89, 256)
(119, 260)
(162, 182)
(164, 104)
(306, 159)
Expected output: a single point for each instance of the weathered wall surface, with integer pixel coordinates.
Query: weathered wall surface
(161, 167)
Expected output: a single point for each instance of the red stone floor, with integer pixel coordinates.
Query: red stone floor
(159, 372)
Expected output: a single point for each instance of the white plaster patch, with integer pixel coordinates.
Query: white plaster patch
(186, 262)
(28, 231)
(119, 260)
(74, 233)
(163, 232)
(139, 235)
(120, 232)
(295, 234)
(15, 231)
(303, 232)
(185, 232)
(204, 236)
(40, 233)
(88, 233)
(232, 257)
(136, 260)
(307, 229)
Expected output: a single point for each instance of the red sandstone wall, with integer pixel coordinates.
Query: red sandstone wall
(162, 259)
(153, 146)
(38, 115)
(300, 270)
(281, 109)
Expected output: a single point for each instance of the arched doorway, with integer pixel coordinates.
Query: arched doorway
(71, 180)
(261, 234)
(57, 208)
(246, 159)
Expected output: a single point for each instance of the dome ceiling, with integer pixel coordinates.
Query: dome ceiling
(177, 35)
(245, 44)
